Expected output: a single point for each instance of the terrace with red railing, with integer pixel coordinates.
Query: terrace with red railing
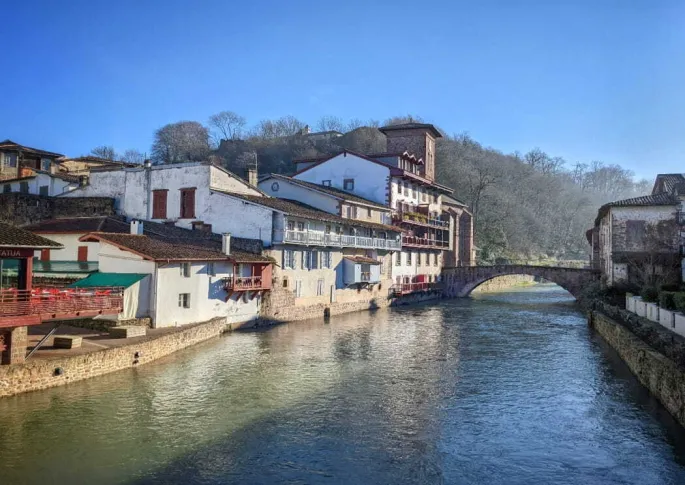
(31, 307)
(253, 284)
(408, 288)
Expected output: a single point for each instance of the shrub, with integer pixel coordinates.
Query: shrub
(649, 294)
(679, 301)
(666, 300)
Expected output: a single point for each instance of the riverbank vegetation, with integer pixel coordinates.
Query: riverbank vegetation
(532, 206)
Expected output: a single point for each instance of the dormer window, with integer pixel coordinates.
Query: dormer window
(327, 183)
(348, 184)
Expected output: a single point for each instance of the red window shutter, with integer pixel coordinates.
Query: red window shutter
(83, 254)
(45, 255)
(187, 203)
(159, 199)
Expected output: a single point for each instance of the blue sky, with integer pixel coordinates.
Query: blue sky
(585, 80)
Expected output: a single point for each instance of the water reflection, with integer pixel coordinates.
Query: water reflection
(505, 388)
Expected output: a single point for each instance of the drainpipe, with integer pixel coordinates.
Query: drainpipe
(148, 193)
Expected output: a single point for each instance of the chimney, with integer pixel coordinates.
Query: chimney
(147, 163)
(82, 180)
(226, 243)
(252, 177)
(305, 130)
(137, 227)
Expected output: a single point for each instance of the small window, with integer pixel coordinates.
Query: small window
(398, 259)
(289, 259)
(368, 212)
(306, 256)
(348, 184)
(185, 270)
(326, 183)
(319, 288)
(300, 226)
(298, 288)
(408, 258)
(418, 259)
(326, 259)
(314, 263)
(45, 164)
(10, 159)
(285, 282)
(211, 270)
(291, 225)
(44, 190)
(275, 186)
(7, 188)
(327, 229)
(24, 187)
(82, 254)
(184, 300)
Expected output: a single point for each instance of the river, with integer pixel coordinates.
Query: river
(504, 388)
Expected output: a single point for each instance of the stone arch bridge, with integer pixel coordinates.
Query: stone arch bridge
(461, 281)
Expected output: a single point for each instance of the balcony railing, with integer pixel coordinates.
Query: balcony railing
(365, 276)
(420, 219)
(244, 283)
(408, 288)
(314, 238)
(423, 242)
(33, 306)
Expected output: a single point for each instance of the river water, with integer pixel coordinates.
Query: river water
(505, 388)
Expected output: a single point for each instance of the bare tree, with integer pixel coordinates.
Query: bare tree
(133, 156)
(282, 127)
(657, 261)
(104, 151)
(184, 141)
(227, 125)
(330, 123)
(399, 120)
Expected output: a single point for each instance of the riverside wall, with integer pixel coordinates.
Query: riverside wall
(503, 283)
(660, 369)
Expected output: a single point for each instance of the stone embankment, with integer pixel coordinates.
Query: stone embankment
(654, 354)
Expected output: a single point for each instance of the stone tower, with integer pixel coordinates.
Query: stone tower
(416, 138)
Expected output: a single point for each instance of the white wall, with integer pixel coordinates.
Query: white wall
(415, 196)
(288, 190)
(414, 268)
(56, 186)
(370, 179)
(222, 180)
(237, 216)
(71, 244)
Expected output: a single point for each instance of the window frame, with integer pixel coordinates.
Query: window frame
(187, 211)
(184, 300)
(348, 184)
(288, 259)
(185, 269)
(211, 268)
(160, 203)
(326, 183)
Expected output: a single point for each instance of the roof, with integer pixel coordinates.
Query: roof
(361, 259)
(321, 160)
(305, 211)
(335, 192)
(103, 161)
(109, 279)
(10, 145)
(36, 172)
(411, 126)
(81, 225)
(667, 182)
(15, 237)
(65, 267)
(661, 199)
(173, 249)
(446, 199)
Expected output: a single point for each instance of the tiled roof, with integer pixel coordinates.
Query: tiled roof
(339, 193)
(15, 237)
(412, 126)
(667, 182)
(446, 199)
(661, 199)
(81, 225)
(10, 145)
(305, 211)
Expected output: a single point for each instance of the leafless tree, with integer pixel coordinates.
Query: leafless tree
(184, 141)
(104, 151)
(398, 120)
(133, 156)
(658, 261)
(330, 123)
(227, 125)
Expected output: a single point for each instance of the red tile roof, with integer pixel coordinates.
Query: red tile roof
(16, 237)
(10, 145)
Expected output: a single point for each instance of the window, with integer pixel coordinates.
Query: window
(326, 183)
(291, 225)
(435, 260)
(289, 259)
(368, 212)
(300, 226)
(418, 259)
(184, 300)
(24, 187)
(314, 263)
(298, 288)
(45, 255)
(348, 184)
(408, 258)
(82, 255)
(44, 190)
(306, 256)
(635, 234)
(285, 282)
(159, 198)
(319, 288)
(7, 188)
(327, 229)
(45, 164)
(326, 259)
(211, 270)
(338, 230)
(187, 203)
(275, 186)
(10, 159)
(398, 259)
(185, 270)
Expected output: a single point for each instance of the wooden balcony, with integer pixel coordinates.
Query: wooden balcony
(423, 242)
(420, 220)
(253, 285)
(31, 307)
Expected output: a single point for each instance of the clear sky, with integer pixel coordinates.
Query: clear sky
(586, 80)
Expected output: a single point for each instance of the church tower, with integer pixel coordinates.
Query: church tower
(416, 138)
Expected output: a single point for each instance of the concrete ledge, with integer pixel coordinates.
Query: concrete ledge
(127, 331)
(67, 342)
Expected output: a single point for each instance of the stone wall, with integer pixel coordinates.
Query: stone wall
(45, 373)
(21, 209)
(505, 283)
(664, 378)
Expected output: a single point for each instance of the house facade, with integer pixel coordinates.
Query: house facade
(32, 171)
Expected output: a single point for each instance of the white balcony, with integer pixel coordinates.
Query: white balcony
(316, 238)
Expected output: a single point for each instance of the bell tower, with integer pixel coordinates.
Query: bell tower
(415, 138)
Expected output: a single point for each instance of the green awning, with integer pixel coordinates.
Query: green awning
(108, 279)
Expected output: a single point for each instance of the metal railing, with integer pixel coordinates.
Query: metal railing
(340, 240)
(60, 301)
(407, 288)
(421, 219)
(243, 283)
(423, 242)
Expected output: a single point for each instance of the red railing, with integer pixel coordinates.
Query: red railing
(407, 288)
(56, 303)
(422, 241)
(242, 283)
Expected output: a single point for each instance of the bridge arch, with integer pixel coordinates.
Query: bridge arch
(461, 281)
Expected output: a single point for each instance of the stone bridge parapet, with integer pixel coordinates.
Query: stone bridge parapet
(461, 281)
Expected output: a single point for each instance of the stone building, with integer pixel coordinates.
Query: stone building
(638, 240)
